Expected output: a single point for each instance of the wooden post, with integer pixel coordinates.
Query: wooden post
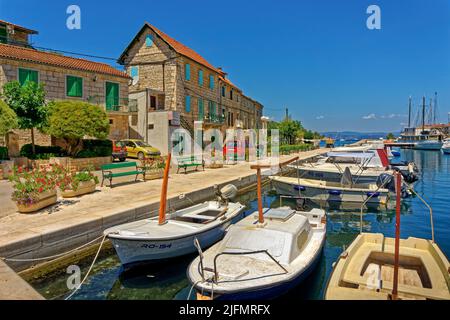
(163, 201)
(397, 234)
(260, 206)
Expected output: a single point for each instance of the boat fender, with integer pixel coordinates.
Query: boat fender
(335, 192)
(299, 188)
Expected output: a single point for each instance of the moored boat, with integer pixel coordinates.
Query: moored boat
(262, 256)
(172, 235)
(446, 147)
(375, 267)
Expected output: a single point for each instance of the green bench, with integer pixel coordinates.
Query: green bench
(190, 162)
(108, 171)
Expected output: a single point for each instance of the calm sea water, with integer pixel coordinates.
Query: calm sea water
(168, 281)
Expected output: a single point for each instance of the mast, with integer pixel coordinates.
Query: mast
(163, 201)
(435, 120)
(423, 114)
(409, 112)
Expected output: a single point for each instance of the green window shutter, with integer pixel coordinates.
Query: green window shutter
(187, 72)
(211, 81)
(74, 86)
(3, 35)
(200, 77)
(201, 109)
(26, 75)
(188, 104)
(112, 95)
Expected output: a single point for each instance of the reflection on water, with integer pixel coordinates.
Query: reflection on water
(169, 281)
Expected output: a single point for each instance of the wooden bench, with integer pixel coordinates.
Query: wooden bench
(109, 174)
(190, 162)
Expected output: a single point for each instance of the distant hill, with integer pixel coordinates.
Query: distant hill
(354, 135)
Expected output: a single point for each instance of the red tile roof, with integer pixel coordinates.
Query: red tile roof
(18, 27)
(53, 59)
(227, 81)
(177, 46)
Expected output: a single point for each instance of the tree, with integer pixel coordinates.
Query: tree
(28, 102)
(73, 120)
(390, 136)
(8, 119)
(290, 130)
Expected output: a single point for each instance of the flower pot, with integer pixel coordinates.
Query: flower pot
(84, 187)
(215, 165)
(45, 199)
(154, 174)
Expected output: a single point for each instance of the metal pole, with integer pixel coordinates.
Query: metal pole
(423, 114)
(397, 235)
(409, 112)
(260, 206)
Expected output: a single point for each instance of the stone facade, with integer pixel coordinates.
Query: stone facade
(54, 79)
(161, 68)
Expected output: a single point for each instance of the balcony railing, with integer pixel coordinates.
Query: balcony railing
(115, 105)
(214, 119)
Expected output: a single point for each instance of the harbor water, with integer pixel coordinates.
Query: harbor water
(168, 281)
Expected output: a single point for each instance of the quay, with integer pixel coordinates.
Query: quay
(74, 223)
(13, 287)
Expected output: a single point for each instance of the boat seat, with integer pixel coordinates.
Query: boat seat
(197, 216)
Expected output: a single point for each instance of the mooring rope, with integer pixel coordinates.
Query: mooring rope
(89, 270)
(54, 256)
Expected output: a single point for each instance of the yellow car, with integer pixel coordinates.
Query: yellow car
(139, 149)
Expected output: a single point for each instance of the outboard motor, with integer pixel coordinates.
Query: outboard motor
(388, 182)
(226, 193)
(409, 171)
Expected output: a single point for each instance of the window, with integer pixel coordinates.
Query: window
(211, 81)
(74, 86)
(188, 104)
(149, 40)
(134, 73)
(112, 95)
(201, 109)
(152, 103)
(26, 75)
(224, 90)
(3, 35)
(231, 94)
(187, 72)
(111, 121)
(212, 108)
(200, 77)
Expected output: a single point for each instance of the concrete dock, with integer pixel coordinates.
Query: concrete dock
(73, 223)
(13, 287)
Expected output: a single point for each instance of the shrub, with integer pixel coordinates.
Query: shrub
(72, 181)
(286, 149)
(4, 153)
(73, 120)
(42, 152)
(95, 148)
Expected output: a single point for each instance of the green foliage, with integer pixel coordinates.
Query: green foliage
(95, 148)
(3, 153)
(390, 136)
(42, 152)
(8, 119)
(287, 149)
(290, 131)
(72, 120)
(28, 103)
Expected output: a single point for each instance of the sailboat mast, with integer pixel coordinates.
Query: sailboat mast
(423, 114)
(409, 112)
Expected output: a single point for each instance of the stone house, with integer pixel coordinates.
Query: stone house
(169, 76)
(65, 78)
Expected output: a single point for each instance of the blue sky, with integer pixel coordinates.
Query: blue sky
(315, 57)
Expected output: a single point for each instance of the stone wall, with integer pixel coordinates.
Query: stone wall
(71, 163)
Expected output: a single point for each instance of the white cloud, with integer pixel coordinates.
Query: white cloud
(370, 116)
(320, 117)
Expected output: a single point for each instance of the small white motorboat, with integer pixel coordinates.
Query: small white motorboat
(326, 191)
(262, 256)
(172, 235)
(446, 147)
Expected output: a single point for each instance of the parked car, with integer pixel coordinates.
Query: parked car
(140, 149)
(119, 151)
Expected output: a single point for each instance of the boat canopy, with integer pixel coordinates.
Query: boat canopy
(359, 155)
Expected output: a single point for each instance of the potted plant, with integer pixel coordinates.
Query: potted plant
(34, 189)
(80, 183)
(154, 168)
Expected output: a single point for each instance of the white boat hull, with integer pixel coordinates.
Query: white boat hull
(330, 194)
(428, 145)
